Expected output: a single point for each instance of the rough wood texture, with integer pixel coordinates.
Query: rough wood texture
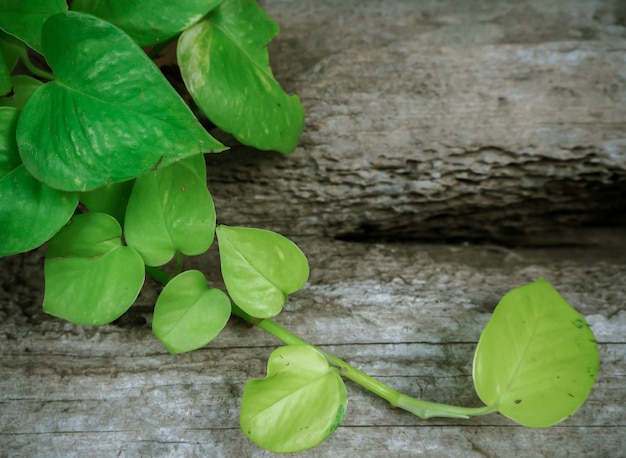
(408, 314)
(473, 120)
(461, 120)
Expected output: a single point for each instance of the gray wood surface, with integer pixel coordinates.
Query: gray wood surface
(464, 120)
(407, 314)
(430, 119)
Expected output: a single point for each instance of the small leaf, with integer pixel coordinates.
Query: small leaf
(171, 210)
(537, 358)
(260, 268)
(24, 18)
(30, 211)
(225, 65)
(23, 87)
(188, 315)
(109, 115)
(148, 21)
(298, 405)
(91, 278)
(12, 48)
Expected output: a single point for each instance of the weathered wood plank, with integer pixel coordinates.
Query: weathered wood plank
(113, 390)
(435, 120)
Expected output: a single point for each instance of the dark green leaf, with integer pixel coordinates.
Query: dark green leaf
(225, 66)
(109, 116)
(148, 21)
(260, 268)
(24, 18)
(171, 210)
(298, 405)
(5, 75)
(537, 358)
(11, 48)
(30, 212)
(91, 278)
(188, 315)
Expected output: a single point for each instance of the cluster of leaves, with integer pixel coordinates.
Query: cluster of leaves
(102, 159)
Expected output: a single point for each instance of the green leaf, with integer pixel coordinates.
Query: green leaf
(111, 199)
(5, 75)
(109, 116)
(23, 87)
(148, 21)
(225, 66)
(298, 405)
(30, 211)
(537, 358)
(12, 48)
(170, 210)
(188, 315)
(260, 268)
(24, 18)
(91, 278)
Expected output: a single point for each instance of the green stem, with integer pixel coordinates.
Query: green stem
(158, 275)
(33, 69)
(423, 409)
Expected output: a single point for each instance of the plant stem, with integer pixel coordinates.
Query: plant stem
(423, 409)
(33, 69)
(159, 275)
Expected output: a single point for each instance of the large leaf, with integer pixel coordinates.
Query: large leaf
(148, 21)
(171, 210)
(225, 66)
(24, 18)
(109, 116)
(260, 268)
(537, 358)
(91, 278)
(30, 211)
(188, 315)
(298, 405)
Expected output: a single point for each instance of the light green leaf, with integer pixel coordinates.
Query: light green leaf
(260, 269)
(537, 358)
(24, 18)
(188, 315)
(171, 210)
(91, 278)
(30, 211)
(298, 405)
(148, 21)
(225, 66)
(109, 116)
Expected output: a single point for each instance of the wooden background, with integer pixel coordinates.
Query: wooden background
(453, 151)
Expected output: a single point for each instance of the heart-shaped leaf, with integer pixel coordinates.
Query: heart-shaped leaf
(188, 315)
(260, 268)
(298, 405)
(24, 18)
(225, 65)
(148, 21)
(109, 116)
(171, 210)
(537, 358)
(91, 278)
(30, 211)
